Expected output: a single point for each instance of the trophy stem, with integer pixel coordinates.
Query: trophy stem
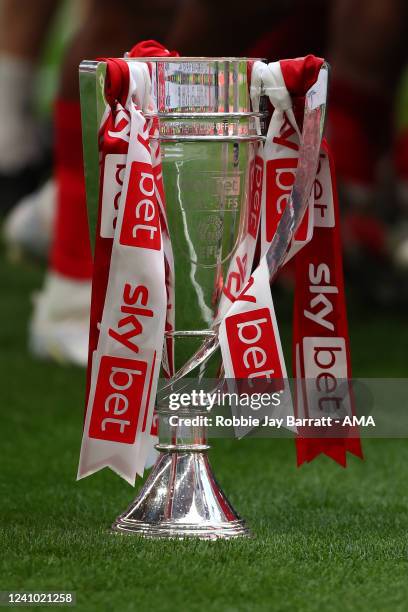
(181, 498)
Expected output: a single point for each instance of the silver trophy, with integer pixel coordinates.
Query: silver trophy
(209, 136)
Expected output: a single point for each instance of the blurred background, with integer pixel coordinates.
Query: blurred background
(42, 197)
(45, 260)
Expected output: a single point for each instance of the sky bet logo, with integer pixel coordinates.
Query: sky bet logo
(141, 222)
(256, 197)
(252, 345)
(118, 397)
(113, 177)
(280, 176)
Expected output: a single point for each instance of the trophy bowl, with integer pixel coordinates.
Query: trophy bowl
(209, 137)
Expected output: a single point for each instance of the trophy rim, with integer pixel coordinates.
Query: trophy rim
(180, 531)
(193, 58)
(87, 65)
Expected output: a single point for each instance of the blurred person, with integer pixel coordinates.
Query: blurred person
(23, 28)
(28, 32)
(368, 53)
(364, 40)
(60, 323)
(59, 327)
(361, 72)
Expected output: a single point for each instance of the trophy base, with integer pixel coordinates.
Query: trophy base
(181, 499)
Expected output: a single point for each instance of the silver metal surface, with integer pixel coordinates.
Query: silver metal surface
(312, 134)
(181, 499)
(209, 137)
(191, 333)
(197, 448)
(217, 116)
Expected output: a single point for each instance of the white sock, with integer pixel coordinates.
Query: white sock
(65, 297)
(19, 143)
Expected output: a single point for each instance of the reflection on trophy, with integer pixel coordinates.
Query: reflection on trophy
(209, 133)
(208, 138)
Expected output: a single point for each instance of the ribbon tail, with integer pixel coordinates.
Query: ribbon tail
(308, 449)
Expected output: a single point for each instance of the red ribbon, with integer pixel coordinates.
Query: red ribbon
(116, 81)
(300, 74)
(151, 48)
(116, 90)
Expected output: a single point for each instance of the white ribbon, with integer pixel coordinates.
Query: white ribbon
(126, 364)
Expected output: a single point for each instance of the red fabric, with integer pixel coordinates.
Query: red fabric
(151, 48)
(116, 81)
(71, 251)
(300, 73)
(309, 448)
(116, 89)
(356, 136)
(325, 246)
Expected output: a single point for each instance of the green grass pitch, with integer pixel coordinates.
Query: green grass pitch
(325, 538)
